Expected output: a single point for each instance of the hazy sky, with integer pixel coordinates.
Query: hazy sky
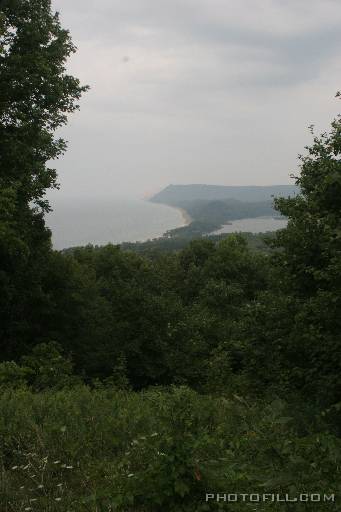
(196, 91)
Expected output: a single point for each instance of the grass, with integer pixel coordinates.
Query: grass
(103, 450)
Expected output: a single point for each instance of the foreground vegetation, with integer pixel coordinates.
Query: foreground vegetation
(171, 244)
(138, 380)
(82, 449)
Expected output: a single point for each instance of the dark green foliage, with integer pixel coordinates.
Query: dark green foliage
(166, 244)
(83, 450)
(36, 94)
(298, 322)
(47, 368)
(24, 249)
(255, 332)
(44, 368)
(196, 229)
(163, 315)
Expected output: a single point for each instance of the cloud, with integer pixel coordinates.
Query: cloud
(197, 90)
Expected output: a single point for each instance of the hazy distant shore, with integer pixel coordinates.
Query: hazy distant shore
(116, 221)
(185, 215)
(187, 219)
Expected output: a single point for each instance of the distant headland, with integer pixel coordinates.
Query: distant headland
(173, 194)
(208, 207)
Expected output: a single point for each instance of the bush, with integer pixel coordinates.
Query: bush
(14, 376)
(44, 368)
(162, 449)
(48, 368)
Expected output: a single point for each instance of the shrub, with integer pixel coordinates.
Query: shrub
(162, 449)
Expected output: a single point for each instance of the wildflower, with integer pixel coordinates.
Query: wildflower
(58, 499)
(69, 467)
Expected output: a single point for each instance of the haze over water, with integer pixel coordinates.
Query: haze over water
(116, 220)
(98, 222)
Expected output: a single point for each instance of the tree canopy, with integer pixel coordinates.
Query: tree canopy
(36, 95)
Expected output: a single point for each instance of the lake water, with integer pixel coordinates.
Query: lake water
(118, 220)
(255, 225)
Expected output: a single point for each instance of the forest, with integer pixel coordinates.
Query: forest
(150, 377)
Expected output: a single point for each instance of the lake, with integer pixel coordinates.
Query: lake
(255, 225)
(98, 222)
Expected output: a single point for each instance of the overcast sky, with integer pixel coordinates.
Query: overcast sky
(196, 91)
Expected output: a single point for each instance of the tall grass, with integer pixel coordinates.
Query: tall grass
(159, 450)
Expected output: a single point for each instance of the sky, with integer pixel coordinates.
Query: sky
(196, 91)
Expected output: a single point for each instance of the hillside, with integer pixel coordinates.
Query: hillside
(226, 210)
(175, 194)
(211, 206)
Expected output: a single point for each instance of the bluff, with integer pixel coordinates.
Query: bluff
(175, 195)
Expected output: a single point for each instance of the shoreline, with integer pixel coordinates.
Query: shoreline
(187, 219)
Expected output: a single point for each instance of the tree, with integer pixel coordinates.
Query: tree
(311, 242)
(294, 333)
(36, 95)
(311, 258)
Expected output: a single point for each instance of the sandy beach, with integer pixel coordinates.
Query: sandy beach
(186, 217)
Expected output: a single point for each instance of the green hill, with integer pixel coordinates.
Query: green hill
(175, 194)
(211, 206)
